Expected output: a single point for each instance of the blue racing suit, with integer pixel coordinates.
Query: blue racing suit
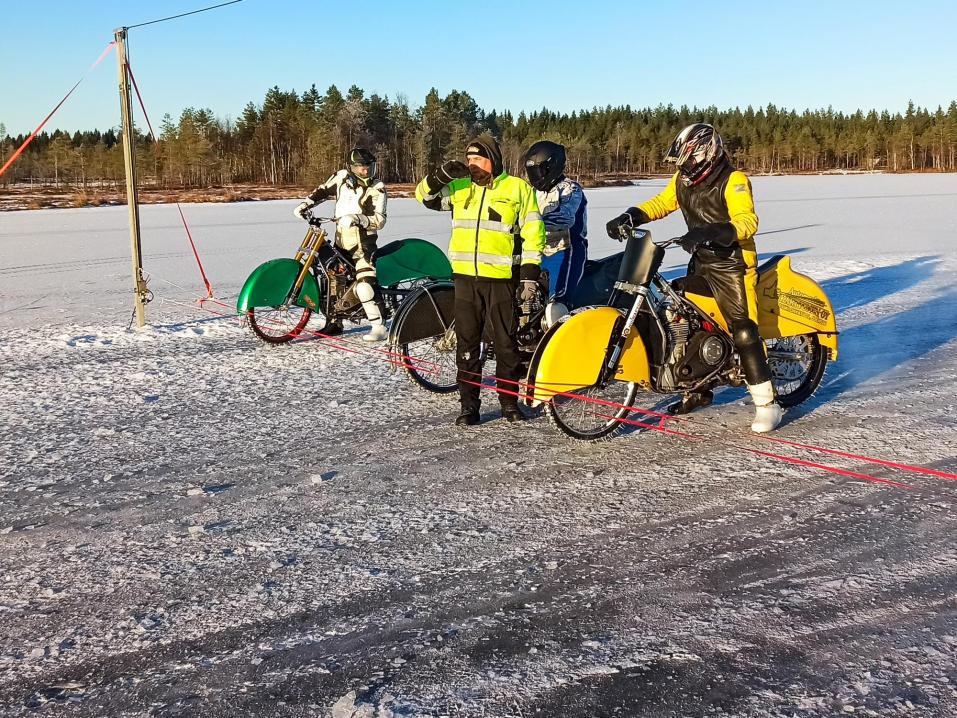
(563, 209)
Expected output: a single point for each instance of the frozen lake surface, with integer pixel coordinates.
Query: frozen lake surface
(192, 523)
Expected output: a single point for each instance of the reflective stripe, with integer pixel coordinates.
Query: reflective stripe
(532, 255)
(482, 257)
(530, 217)
(483, 224)
(494, 260)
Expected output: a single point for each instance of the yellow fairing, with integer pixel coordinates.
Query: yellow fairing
(789, 304)
(570, 356)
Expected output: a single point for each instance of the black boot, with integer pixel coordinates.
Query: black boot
(332, 329)
(692, 401)
(512, 413)
(468, 417)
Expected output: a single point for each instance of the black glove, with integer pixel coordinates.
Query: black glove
(718, 234)
(632, 217)
(451, 170)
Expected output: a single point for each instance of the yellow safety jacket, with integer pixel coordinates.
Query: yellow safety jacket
(485, 221)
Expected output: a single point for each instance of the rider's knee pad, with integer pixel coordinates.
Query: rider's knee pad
(745, 333)
(365, 290)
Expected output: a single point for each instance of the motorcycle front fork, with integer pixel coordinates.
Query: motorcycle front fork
(619, 336)
(307, 253)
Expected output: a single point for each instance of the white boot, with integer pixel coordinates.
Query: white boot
(377, 333)
(767, 412)
(373, 309)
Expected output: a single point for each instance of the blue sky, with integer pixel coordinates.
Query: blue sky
(509, 55)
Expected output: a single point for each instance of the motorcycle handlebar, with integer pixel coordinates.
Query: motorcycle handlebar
(317, 221)
(628, 231)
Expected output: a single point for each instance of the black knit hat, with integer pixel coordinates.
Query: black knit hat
(486, 146)
(478, 149)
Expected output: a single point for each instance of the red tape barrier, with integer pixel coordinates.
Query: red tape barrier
(189, 235)
(46, 119)
(403, 360)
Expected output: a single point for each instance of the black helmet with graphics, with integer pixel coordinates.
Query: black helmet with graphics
(696, 151)
(545, 164)
(361, 157)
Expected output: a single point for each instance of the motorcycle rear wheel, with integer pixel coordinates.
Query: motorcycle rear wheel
(278, 325)
(582, 415)
(430, 362)
(797, 366)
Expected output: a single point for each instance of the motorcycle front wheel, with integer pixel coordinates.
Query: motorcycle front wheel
(278, 325)
(594, 412)
(797, 366)
(430, 362)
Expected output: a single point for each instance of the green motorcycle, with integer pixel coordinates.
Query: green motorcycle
(282, 295)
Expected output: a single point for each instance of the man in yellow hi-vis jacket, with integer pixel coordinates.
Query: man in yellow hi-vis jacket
(489, 208)
(718, 206)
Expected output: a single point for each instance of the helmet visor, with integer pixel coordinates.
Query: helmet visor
(695, 152)
(363, 170)
(537, 175)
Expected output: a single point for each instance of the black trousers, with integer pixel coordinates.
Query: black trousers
(724, 274)
(481, 303)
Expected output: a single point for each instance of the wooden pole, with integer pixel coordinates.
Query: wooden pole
(140, 291)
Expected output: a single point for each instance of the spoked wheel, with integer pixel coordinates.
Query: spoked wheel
(797, 367)
(278, 325)
(431, 362)
(581, 417)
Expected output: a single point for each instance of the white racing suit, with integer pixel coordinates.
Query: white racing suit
(360, 212)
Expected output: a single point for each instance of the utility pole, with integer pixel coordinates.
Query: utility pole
(140, 291)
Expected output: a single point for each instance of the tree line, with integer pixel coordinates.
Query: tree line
(301, 138)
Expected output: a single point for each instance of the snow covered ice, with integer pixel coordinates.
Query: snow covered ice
(193, 523)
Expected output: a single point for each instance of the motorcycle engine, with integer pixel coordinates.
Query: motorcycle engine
(704, 353)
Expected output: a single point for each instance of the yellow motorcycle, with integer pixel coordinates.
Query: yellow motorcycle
(594, 366)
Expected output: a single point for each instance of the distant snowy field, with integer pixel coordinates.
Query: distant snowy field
(192, 523)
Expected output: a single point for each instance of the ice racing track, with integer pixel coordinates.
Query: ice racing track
(194, 524)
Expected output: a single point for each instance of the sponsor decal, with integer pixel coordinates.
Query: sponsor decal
(740, 188)
(312, 304)
(800, 304)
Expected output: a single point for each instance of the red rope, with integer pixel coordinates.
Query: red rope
(832, 469)
(46, 119)
(892, 464)
(202, 272)
(189, 234)
(411, 363)
(779, 457)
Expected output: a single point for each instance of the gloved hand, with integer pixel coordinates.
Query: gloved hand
(451, 170)
(690, 241)
(632, 217)
(302, 208)
(354, 220)
(527, 291)
(719, 234)
(556, 240)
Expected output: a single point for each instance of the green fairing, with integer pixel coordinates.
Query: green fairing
(270, 283)
(408, 259)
